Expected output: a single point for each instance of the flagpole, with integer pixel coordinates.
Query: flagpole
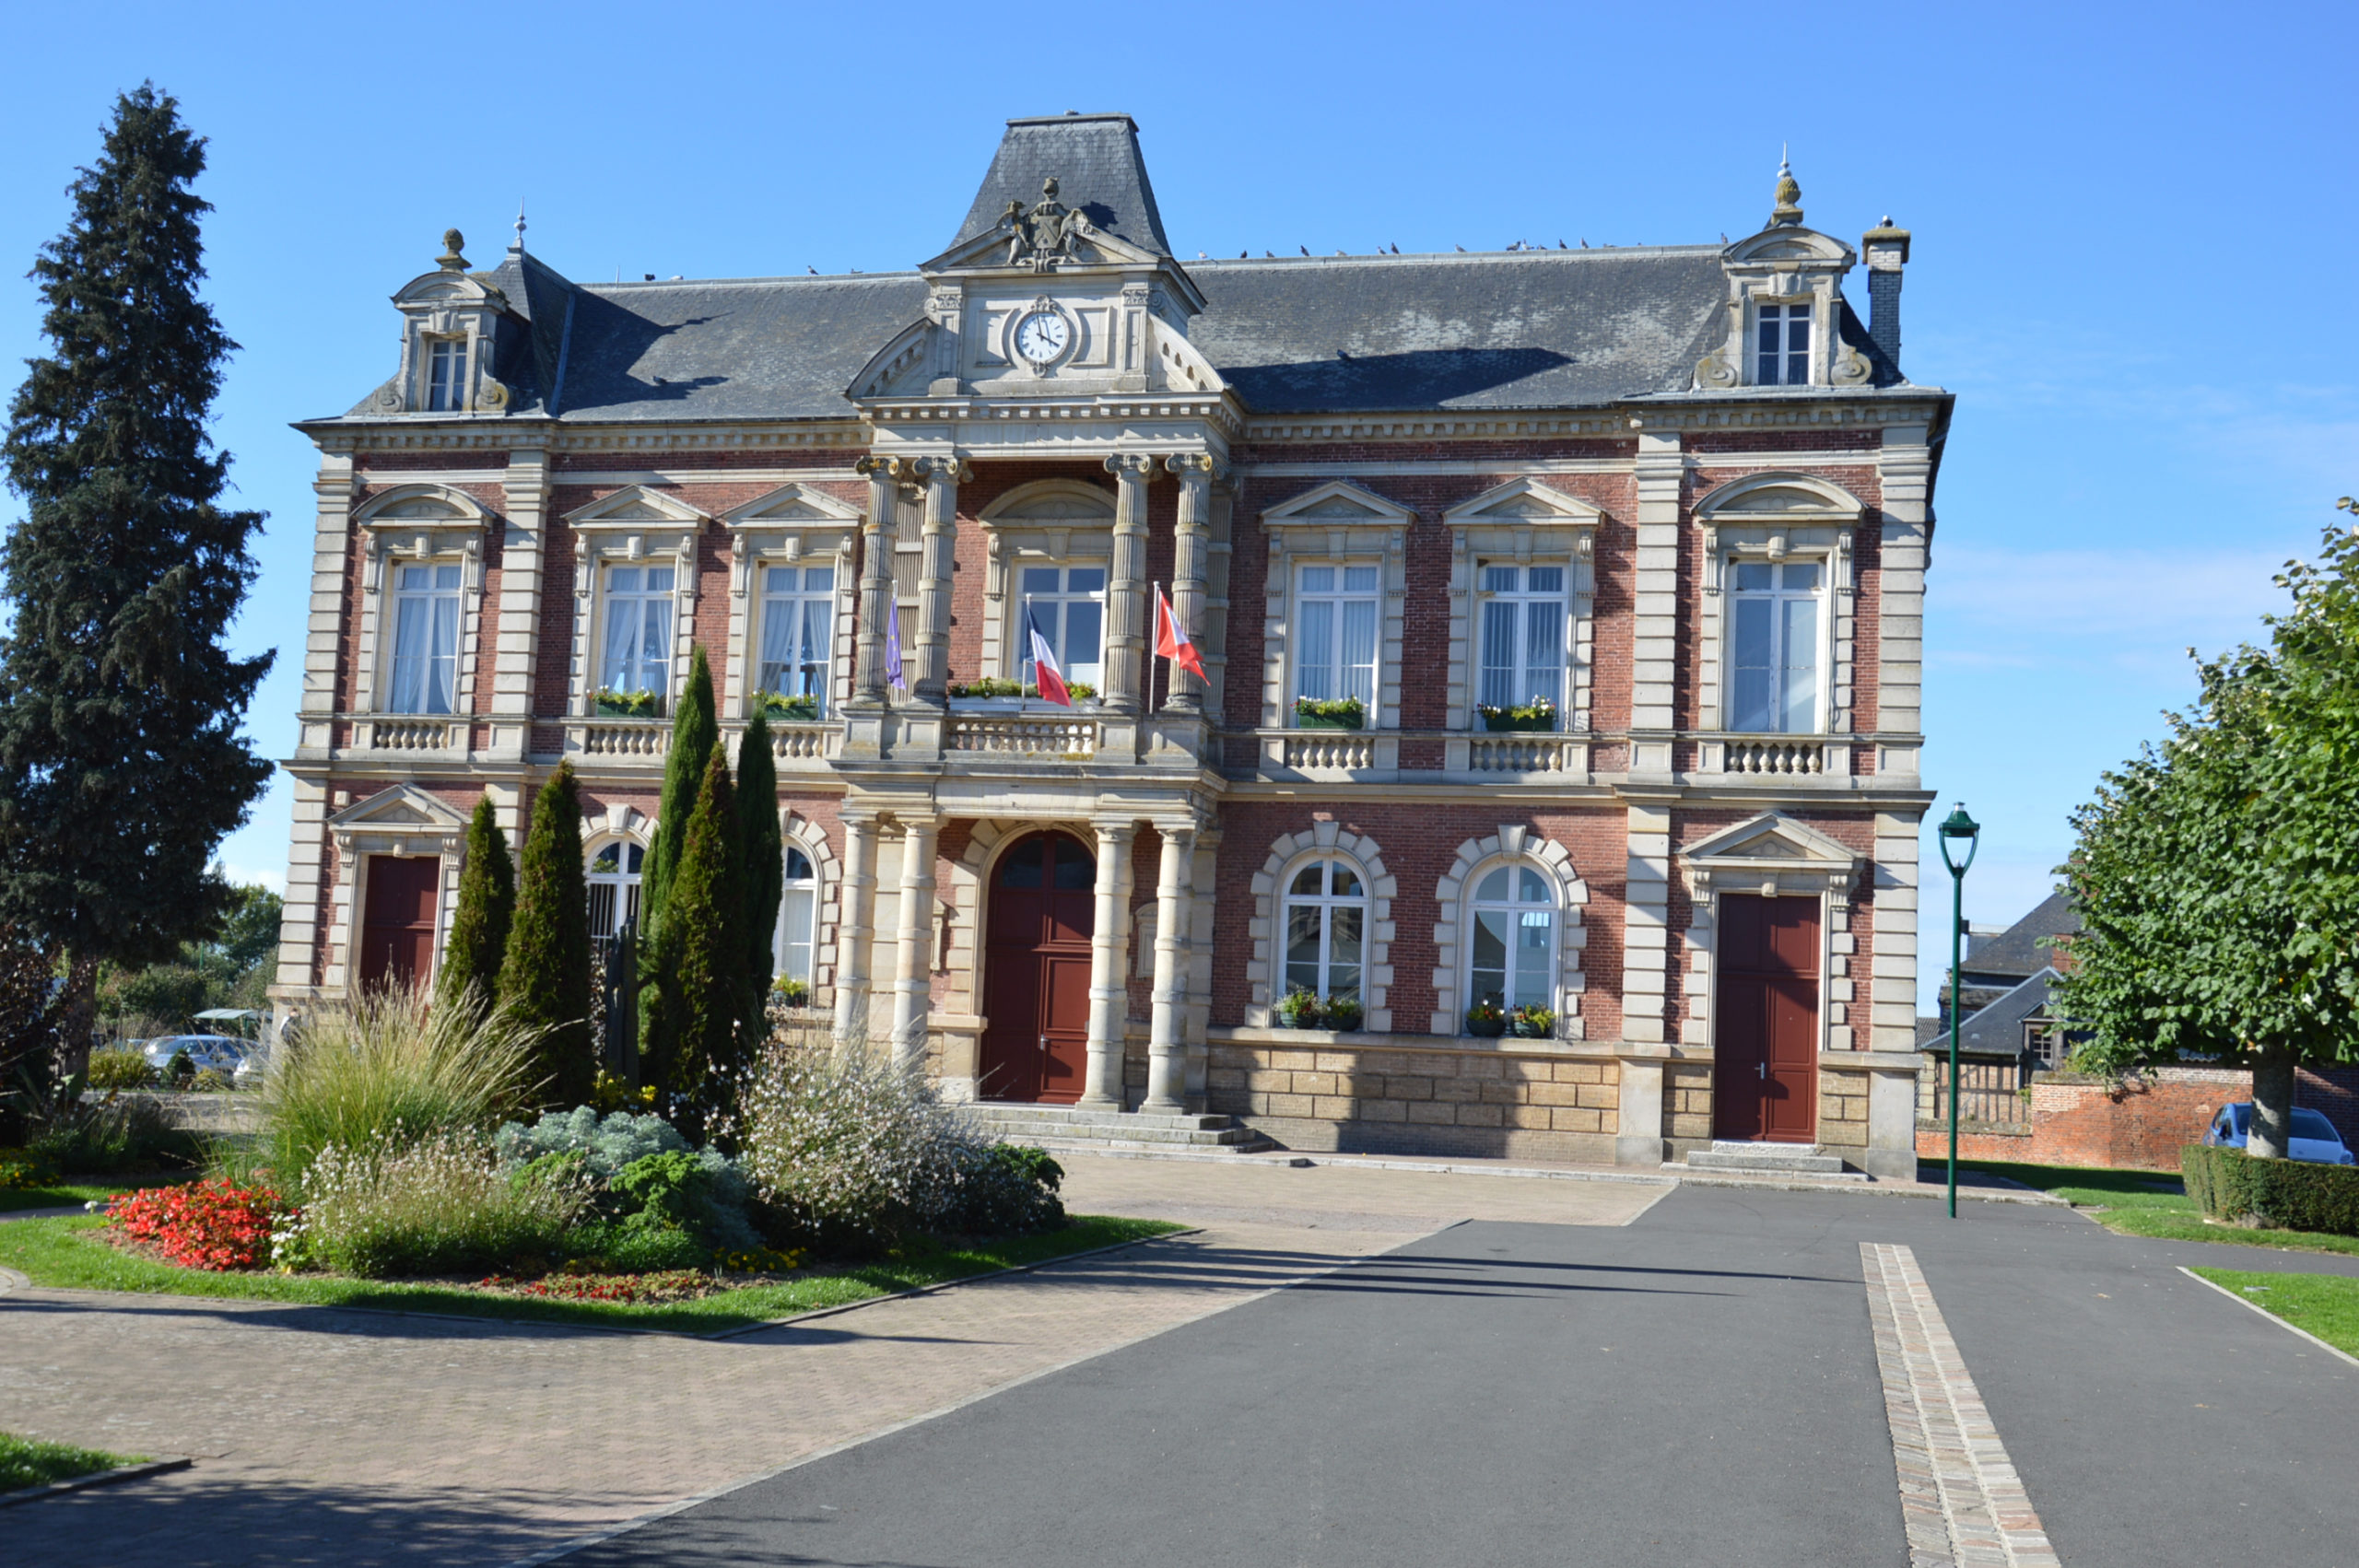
(1155, 647)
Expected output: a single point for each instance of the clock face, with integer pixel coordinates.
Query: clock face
(1042, 336)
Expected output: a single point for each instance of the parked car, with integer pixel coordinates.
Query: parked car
(2314, 1139)
(199, 1051)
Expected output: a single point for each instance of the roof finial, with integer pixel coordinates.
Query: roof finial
(450, 259)
(519, 223)
(1790, 194)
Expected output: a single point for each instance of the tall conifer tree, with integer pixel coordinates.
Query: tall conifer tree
(765, 861)
(694, 732)
(545, 981)
(120, 765)
(704, 936)
(478, 943)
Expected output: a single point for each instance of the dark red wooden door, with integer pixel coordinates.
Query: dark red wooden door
(1036, 971)
(1765, 1040)
(397, 920)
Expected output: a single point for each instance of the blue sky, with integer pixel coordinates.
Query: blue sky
(2133, 229)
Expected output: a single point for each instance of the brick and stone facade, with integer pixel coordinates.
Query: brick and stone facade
(1602, 433)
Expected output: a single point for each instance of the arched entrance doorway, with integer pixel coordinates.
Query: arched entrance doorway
(1039, 921)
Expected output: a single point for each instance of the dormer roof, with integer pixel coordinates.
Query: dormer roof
(1095, 160)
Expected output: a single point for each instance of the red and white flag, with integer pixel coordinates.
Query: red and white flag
(1046, 676)
(1172, 640)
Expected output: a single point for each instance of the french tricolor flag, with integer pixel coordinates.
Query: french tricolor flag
(1045, 671)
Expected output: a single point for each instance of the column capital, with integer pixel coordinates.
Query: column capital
(951, 470)
(1138, 467)
(1196, 465)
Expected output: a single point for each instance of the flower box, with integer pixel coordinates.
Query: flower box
(803, 709)
(1336, 713)
(1486, 1021)
(626, 704)
(1496, 721)
(1305, 722)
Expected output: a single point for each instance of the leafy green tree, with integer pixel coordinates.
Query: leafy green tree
(120, 765)
(2217, 875)
(478, 943)
(765, 860)
(544, 979)
(704, 939)
(695, 732)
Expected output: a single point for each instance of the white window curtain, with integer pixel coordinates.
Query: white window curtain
(1774, 650)
(1336, 614)
(1326, 928)
(1512, 960)
(1068, 603)
(426, 639)
(1524, 636)
(798, 630)
(798, 913)
(638, 629)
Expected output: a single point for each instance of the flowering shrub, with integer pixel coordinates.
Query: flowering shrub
(443, 1204)
(204, 1224)
(21, 1169)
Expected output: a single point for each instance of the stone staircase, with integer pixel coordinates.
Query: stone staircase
(1075, 1127)
(1743, 1159)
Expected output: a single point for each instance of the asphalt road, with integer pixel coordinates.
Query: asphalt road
(1697, 1389)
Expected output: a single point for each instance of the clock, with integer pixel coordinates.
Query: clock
(1042, 336)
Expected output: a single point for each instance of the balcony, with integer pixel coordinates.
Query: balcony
(1056, 737)
(1779, 758)
(443, 733)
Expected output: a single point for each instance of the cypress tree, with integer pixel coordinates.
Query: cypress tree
(120, 765)
(545, 981)
(478, 943)
(695, 732)
(765, 863)
(704, 934)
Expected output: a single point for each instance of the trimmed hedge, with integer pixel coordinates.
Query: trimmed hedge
(2294, 1195)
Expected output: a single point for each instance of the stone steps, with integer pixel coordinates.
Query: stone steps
(1735, 1158)
(1073, 1127)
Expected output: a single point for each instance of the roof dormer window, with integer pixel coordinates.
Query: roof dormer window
(1784, 353)
(446, 376)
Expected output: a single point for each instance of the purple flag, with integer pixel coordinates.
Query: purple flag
(893, 649)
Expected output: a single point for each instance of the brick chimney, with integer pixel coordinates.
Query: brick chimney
(1887, 250)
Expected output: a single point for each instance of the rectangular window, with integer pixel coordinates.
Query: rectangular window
(1784, 358)
(1068, 603)
(1773, 651)
(1523, 636)
(446, 376)
(1335, 617)
(426, 639)
(798, 629)
(639, 630)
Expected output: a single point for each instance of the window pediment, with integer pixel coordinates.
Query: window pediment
(1771, 853)
(405, 808)
(1339, 504)
(1777, 500)
(1527, 503)
(421, 509)
(638, 509)
(792, 505)
(1053, 503)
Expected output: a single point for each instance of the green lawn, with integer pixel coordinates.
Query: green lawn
(62, 1254)
(2151, 1203)
(65, 1192)
(2324, 1304)
(24, 1462)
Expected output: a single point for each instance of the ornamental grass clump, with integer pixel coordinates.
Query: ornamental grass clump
(389, 1069)
(439, 1205)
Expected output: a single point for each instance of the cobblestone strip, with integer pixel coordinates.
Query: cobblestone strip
(1961, 1501)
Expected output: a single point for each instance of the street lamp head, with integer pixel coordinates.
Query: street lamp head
(1960, 828)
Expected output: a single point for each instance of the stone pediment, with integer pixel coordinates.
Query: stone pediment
(1525, 502)
(792, 505)
(1339, 503)
(636, 507)
(1771, 853)
(1779, 499)
(420, 505)
(1053, 503)
(403, 808)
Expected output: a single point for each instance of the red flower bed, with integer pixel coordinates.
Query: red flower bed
(204, 1224)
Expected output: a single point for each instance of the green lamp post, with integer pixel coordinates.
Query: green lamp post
(1956, 827)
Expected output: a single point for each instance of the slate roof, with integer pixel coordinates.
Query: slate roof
(1096, 161)
(1998, 1028)
(2026, 947)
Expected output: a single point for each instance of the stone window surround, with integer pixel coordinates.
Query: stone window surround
(1528, 522)
(621, 824)
(1078, 531)
(1809, 519)
(1785, 264)
(796, 524)
(448, 305)
(399, 820)
(801, 833)
(419, 524)
(1454, 933)
(1289, 854)
(1809, 865)
(1339, 524)
(617, 530)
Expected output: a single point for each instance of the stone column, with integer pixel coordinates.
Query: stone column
(932, 666)
(1109, 945)
(855, 932)
(1167, 1045)
(1190, 558)
(876, 579)
(913, 971)
(516, 627)
(1126, 615)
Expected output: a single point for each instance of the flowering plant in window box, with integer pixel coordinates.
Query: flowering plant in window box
(989, 685)
(1487, 1019)
(1539, 713)
(608, 703)
(791, 992)
(1342, 1012)
(802, 710)
(1298, 1009)
(1533, 1022)
(1329, 713)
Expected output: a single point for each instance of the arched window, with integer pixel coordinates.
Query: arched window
(1512, 960)
(798, 918)
(614, 872)
(1326, 923)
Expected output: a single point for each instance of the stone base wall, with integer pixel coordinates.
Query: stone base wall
(1842, 1109)
(1688, 1107)
(1384, 1094)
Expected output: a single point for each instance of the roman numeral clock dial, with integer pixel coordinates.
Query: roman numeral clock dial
(1043, 336)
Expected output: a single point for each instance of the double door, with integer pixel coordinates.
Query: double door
(1764, 1036)
(1041, 913)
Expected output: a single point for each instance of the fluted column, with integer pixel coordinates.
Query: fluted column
(1109, 942)
(856, 929)
(1190, 560)
(884, 475)
(913, 971)
(930, 680)
(1166, 1065)
(1126, 615)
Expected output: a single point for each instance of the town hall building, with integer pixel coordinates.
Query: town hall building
(1552, 787)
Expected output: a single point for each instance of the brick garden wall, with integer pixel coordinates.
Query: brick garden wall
(2142, 1124)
